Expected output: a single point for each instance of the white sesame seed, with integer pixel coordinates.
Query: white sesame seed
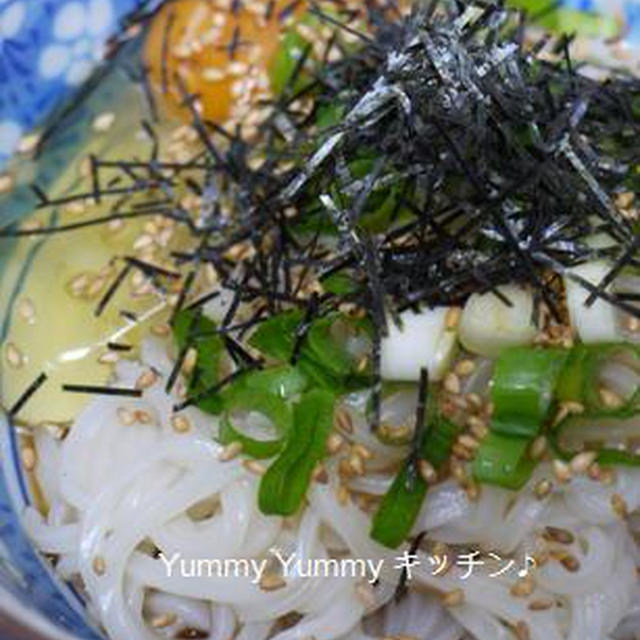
(453, 598)
(357, 464)
(581, 462)
(255, 467)
(230, 451)
(272, 582)
(343, 420)
(538, 448)
(334, 443)
(465, 368)
(27, 310)
(99, 565)
(29, 459)
(142, 242)
(610, 398)
(427, 471)
(164, 620)
(15, 357)
(125, 416)
(110, 357)
(452, 383)
(452, 318)
(561, 471)
(180, 423)
(342, 495)
(103, 122)
(146, 379)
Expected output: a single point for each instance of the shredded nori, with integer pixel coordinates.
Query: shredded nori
(442, 157)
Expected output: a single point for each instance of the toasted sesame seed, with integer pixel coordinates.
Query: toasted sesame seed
(632, 324)
(15, 358)
(570, 563)
(99, 565)
(142, 242)
(474, 399)
(230, 451)
(522, 630)
(581, 462)
(79, 284)
(27, 310)
(427, 471)
(458, 471)
(610, 398)
(461, 452)
(561, 536)
(6, 183)
(468, 441)
(272, 582)
(540, 605)
(362, 451)
(453, 598)
(542, 489)
(334, 443)
(161, 330)
(110, 357)
(364, 593)
(356, 463)
(561, 471)
(143, 417)
(478, 427)
(452, 318)
(103, 122)
(523, 587)
(465, 368)
(619, 506)
(342, 495)
(472, 490)
(29, 458)
(164, 620)
(452, 383)
(320, 474)
(343, 420)
(190, 360)
(213, 74)
(125, 416)
(362, 364)
(146, 379)
(180, 423)
(255, 467)
(538, 448)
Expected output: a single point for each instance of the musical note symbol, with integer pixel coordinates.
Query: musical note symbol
(529, 561)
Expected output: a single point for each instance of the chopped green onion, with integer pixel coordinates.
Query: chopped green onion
(502, 460)
(322, 358)
(522, 390)
(400, 506)
(579, 379)
(251, 400)
(286, 481)
(191, 328)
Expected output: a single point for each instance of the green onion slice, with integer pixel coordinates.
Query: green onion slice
(286, 481)
(579, 381)
(502, 460)
(523, 389)
(251, 400)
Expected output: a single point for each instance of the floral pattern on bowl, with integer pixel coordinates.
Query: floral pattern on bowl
(47, 48)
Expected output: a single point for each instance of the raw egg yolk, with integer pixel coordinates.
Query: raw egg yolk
(221, 51)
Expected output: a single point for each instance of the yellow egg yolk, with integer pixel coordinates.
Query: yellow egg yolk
(220, 54)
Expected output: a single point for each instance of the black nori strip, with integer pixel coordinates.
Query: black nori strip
(111, 290)
(27, 394)
(101, 390)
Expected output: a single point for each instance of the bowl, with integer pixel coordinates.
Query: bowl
(52, 77)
